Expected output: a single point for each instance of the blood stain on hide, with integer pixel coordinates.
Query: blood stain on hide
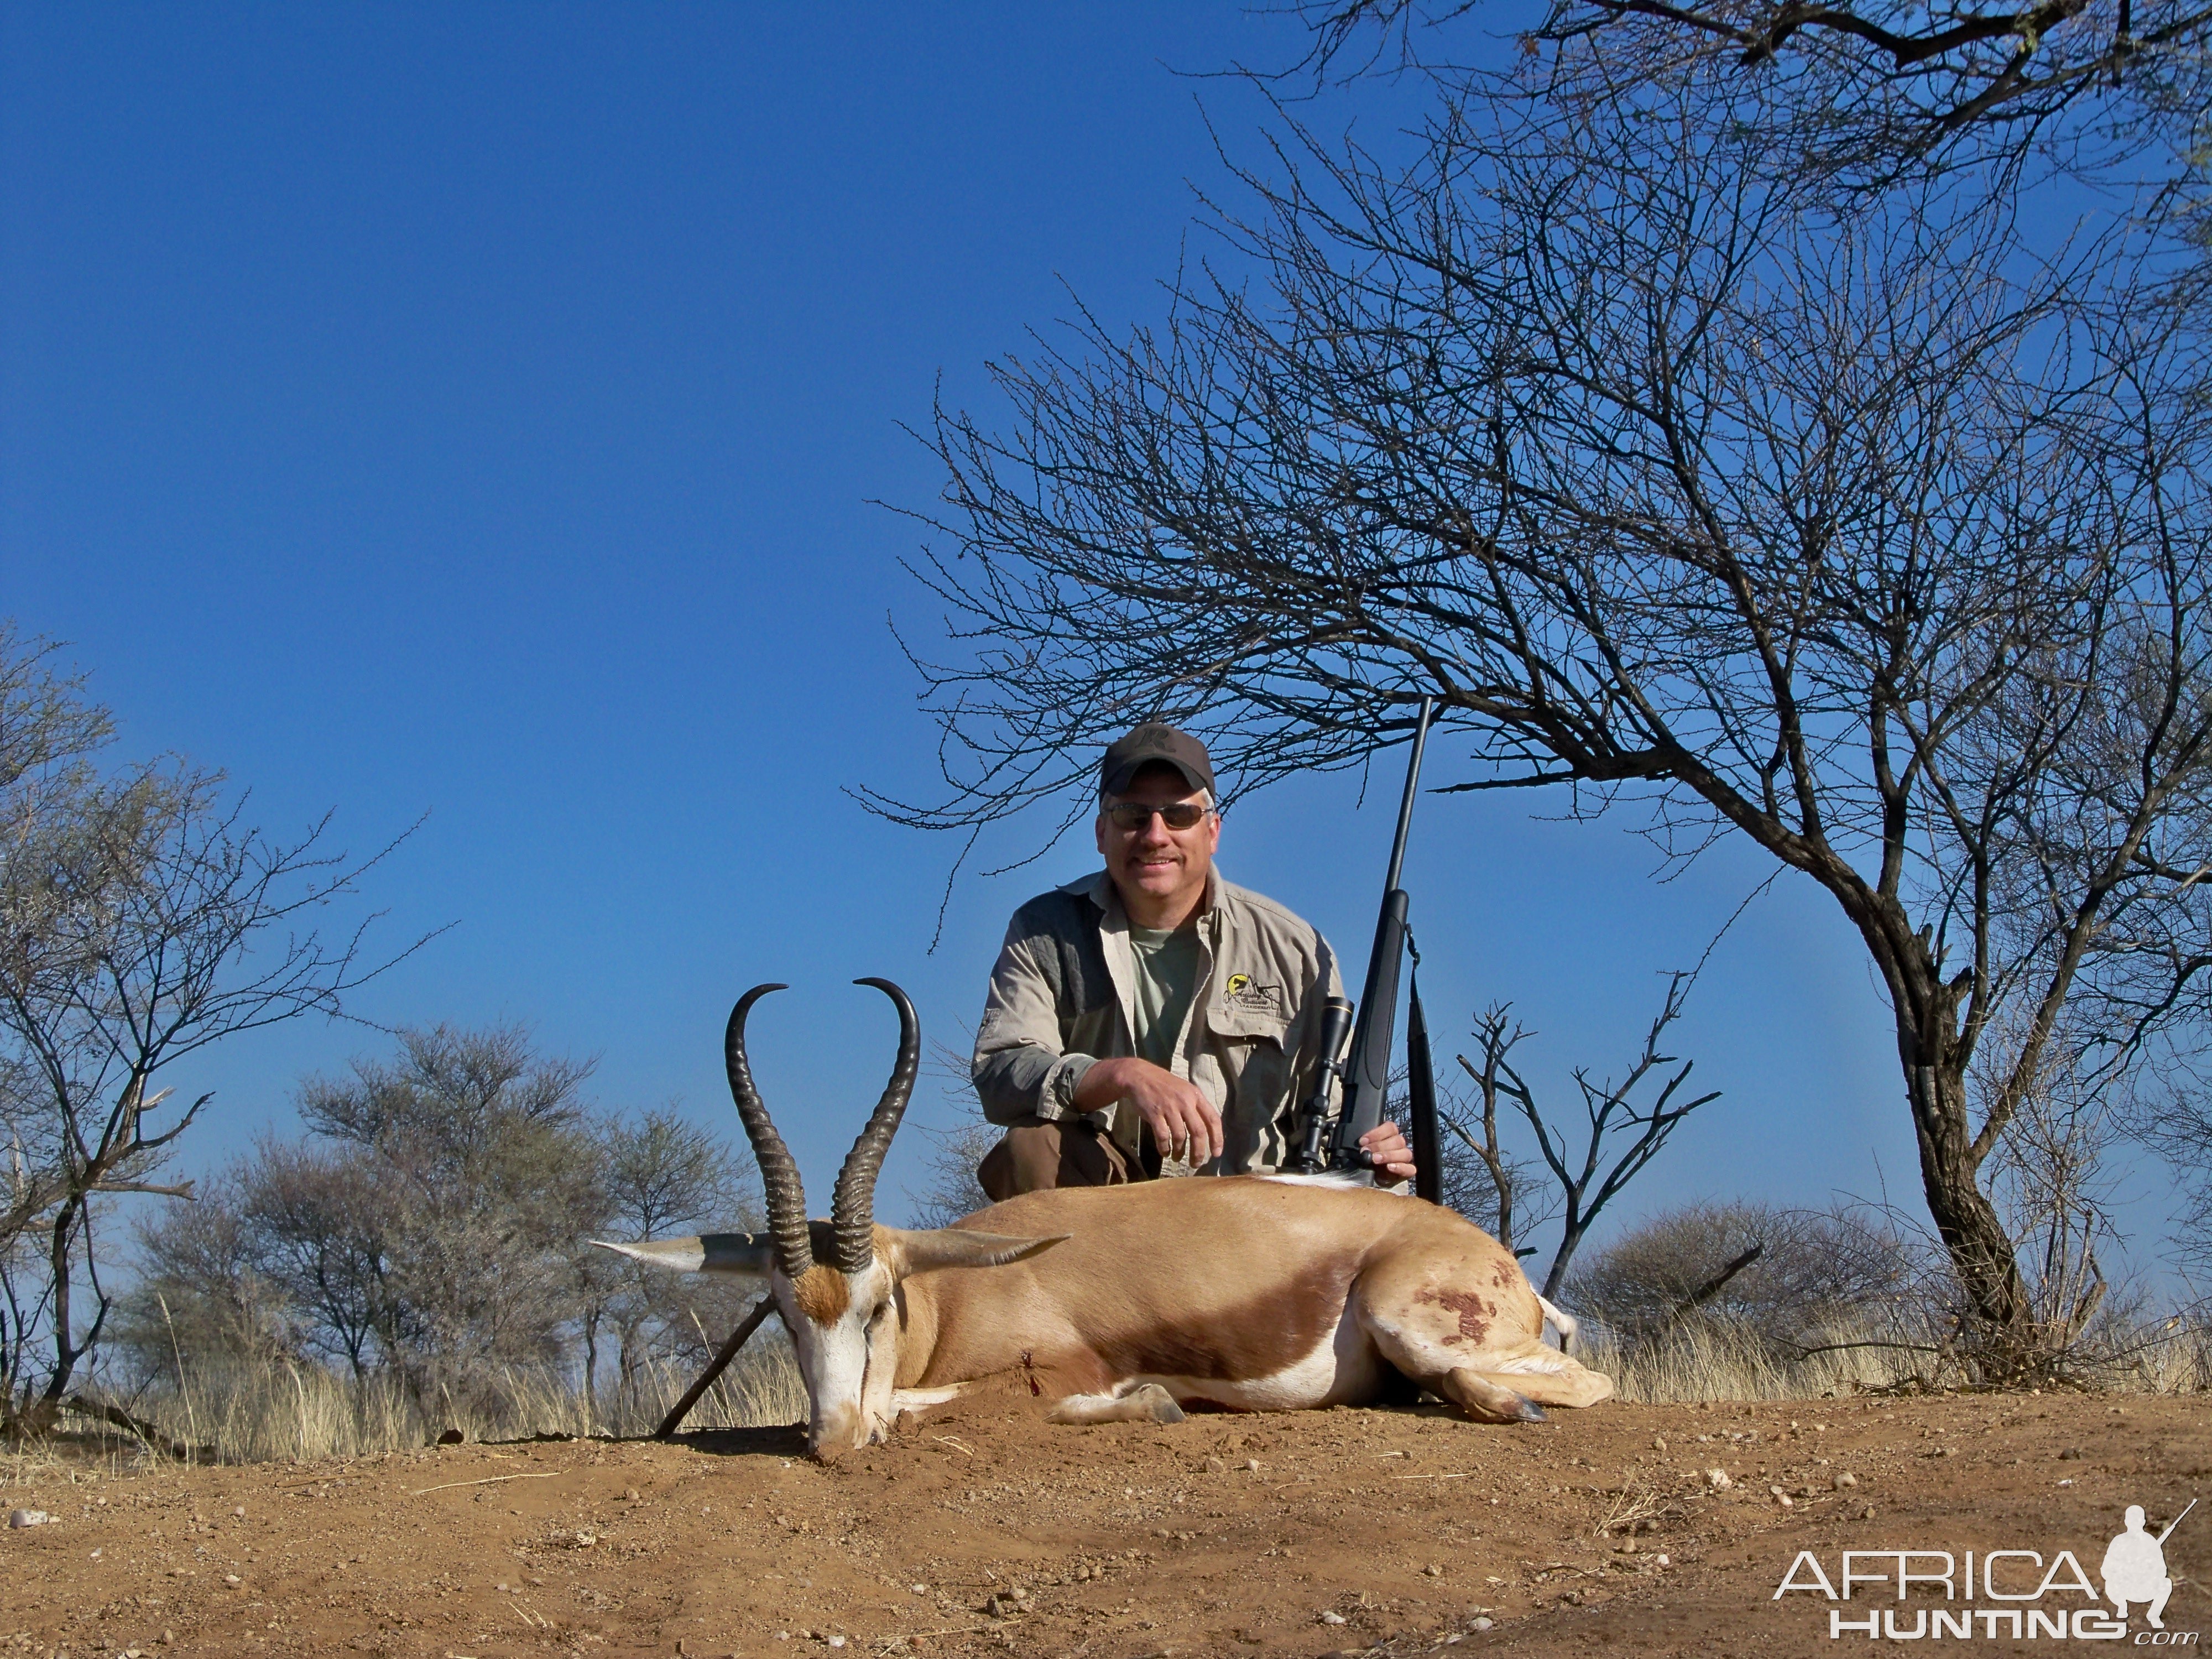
(1474, 1314)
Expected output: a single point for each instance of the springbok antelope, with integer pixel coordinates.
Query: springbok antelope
(1254, 1292)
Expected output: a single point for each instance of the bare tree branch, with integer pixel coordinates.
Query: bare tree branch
(1878, 540)
(1874, 90)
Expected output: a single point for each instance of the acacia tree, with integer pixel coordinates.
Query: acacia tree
(435, 1227)
(1877, 540)
(1782, 1274)
(1482, 1178)
(142, 920)
(2172, 1111)
(1860, 93)
(659, 1175)
(476, 1156)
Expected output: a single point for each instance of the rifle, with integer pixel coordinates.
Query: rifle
(1365, 1073)
(2176, 1522)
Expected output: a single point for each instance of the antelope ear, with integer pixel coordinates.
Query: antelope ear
(956, 1247)
(748, 1254)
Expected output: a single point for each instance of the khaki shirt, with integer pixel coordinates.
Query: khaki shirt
(1063, 996)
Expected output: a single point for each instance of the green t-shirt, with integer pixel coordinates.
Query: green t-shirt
(1167, 980)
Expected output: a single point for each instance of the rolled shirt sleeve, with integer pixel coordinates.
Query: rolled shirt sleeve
(1018, 1069)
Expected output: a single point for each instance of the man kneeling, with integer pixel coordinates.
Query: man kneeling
(1153, 1019)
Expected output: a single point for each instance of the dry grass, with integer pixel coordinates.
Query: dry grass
(248, 1414)
(1699, 1360)
(2168, 1356)
(1716, 1359)
(251, 1414)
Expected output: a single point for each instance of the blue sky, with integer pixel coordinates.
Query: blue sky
(477, 411)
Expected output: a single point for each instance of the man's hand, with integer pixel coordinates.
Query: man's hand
(1387, 1150)
(1184, 1122)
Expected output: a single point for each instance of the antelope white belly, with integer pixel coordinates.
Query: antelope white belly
(1341, 1370)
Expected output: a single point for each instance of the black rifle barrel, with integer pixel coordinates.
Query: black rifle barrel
(1367, 1068)
(1406, 800)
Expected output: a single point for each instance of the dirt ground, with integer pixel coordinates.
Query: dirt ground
(983, 1529)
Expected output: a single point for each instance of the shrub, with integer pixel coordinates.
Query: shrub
(1780, 1274)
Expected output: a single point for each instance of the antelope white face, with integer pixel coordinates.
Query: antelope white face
(845, 1327)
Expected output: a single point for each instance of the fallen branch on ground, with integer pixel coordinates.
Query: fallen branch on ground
(1837, 1348)
(152, 1436)
(490, 1480)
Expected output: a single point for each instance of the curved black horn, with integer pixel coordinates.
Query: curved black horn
(853, 1209)
(786, 1200)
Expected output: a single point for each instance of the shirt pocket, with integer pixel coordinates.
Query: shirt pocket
(1247, 1025)
(1250, 1005)
(1256, 1054)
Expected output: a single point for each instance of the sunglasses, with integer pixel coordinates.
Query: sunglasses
(1132, 816)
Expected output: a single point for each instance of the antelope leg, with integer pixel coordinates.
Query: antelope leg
(1148, 1402)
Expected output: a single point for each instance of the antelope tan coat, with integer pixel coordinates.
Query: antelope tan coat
(1278, 1294)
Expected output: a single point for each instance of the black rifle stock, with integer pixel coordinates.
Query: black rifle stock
(1365, 1072)
(1367, 1067)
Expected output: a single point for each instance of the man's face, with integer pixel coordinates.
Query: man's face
(1164, 864)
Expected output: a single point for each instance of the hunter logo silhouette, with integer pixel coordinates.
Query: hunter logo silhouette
(2135, 1566)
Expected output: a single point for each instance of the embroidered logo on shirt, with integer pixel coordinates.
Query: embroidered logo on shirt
(1242, 994)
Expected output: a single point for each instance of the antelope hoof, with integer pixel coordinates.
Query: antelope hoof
(1149, 1403)
(1487, 1401)
(1159, 1404)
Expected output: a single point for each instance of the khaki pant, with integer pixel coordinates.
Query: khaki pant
(1036, 1154)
